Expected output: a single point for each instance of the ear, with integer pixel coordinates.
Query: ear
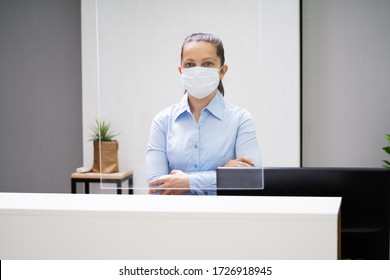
(223, 71)
(179, 68)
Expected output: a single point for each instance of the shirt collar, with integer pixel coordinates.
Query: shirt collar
(215, 107)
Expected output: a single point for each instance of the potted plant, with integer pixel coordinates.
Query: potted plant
(387, 150)
(105, 148)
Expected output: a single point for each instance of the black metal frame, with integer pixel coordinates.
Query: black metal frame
(118, 183)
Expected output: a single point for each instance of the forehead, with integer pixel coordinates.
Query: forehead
(196, 50)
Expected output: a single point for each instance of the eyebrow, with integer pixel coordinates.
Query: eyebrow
(190, 59)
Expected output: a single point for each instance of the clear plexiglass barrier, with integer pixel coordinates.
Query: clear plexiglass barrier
(131, 54)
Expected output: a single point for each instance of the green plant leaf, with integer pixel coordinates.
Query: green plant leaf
(387, 149)
(102, 131)
(388, 137)
(387, 164)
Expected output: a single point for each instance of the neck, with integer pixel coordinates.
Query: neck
(197, 105)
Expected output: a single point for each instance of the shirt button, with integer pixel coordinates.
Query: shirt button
(195, 146)
(195, 165)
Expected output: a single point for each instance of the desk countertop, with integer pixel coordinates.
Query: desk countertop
(78, 226)
(168, 204)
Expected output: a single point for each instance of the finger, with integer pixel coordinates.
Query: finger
(241, 164)
(175, 192)
(167, 192)
(235, 163)
(152, 191)
(155, 190)
(246, 160)
(160, 186)
(159, 181)
(152, 183)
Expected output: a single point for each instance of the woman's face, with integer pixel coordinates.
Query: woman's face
(202, 54)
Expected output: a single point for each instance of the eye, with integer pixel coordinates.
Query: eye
(189, 65)
(208, 64)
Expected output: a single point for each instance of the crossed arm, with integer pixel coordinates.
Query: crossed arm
(178, 182)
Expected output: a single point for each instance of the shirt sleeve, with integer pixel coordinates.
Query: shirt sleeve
(246, 141)
(156, 157)
(203, 183)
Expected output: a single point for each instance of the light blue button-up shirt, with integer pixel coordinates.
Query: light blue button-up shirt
(223, 132)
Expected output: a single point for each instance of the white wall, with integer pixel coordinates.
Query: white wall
(346, 85)
(139, 45)
(279, 99)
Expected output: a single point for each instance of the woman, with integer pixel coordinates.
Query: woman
(189, 140)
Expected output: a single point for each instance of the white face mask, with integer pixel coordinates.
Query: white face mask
(200, 81)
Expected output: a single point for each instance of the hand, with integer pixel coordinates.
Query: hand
(240, 162)
(177, 182)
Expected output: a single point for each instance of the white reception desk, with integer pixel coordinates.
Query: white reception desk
(78, 226)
